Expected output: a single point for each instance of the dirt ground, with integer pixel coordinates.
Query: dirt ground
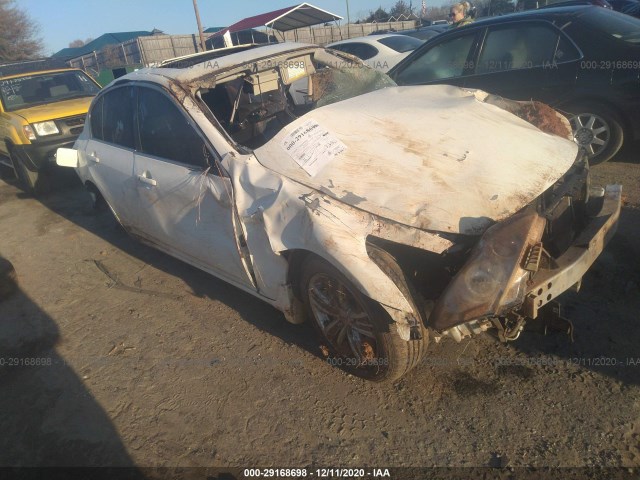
(147, 361)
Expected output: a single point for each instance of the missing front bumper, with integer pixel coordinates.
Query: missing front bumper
(570, 267)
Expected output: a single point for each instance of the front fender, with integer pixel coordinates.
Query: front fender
(278, 215)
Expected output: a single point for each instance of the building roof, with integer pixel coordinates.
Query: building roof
(101, 42)
(285, 19)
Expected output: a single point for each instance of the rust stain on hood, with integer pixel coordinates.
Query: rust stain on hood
(431, 157)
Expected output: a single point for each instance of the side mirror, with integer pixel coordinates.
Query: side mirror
(67, 157)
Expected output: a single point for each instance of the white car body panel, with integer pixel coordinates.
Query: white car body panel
(387, 57)
(456, 176)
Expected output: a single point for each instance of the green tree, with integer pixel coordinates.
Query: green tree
(380, 15)
(18, 34)
(400, 8)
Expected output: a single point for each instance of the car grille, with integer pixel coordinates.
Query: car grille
(73, 125)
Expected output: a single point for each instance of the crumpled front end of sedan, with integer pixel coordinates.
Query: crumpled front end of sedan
(385, 215)
(483, 227)
(520, 266)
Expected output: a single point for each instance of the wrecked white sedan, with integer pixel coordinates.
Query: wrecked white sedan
(386, 215)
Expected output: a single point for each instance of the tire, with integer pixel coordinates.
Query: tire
(33, 183)
(597, 129)
(8, 279)
(359, 334)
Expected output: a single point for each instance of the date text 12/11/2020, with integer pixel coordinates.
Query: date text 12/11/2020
(317, 472)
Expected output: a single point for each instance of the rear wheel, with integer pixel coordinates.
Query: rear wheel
(596, 129)
(8, 279)
(360, 336)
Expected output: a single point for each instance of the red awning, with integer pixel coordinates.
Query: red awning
(303, 15)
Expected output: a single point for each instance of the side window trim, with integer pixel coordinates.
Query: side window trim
(214, 158)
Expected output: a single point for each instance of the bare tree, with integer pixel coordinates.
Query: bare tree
(79, 43)
(18, 34)
(439, 13)
(400, 8)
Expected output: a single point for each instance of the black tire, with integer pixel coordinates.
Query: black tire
(372, 350)
(596, 128)
(8, 279)
(7, 172)
(35, 184)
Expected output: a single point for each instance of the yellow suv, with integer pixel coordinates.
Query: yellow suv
(41, 111)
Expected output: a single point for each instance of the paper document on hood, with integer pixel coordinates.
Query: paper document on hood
(312, 146)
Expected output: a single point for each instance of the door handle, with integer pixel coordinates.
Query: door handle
(149, 181)
(94, 158)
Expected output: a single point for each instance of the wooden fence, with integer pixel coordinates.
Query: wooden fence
(155, 48)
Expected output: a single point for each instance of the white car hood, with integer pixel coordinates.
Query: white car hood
(433, 157)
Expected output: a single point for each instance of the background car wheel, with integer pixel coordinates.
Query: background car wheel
(8, 279)
(359, 334)
(34, 183)
(597, 129)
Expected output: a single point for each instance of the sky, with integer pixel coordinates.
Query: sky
(63, 21)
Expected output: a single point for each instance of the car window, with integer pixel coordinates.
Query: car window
(363, 51)
(401, 43)
(566, 51)
(165, 132)
(117, 117)
(447, 59)
(96, 120)
(40, 89)
(617, 25)
(516, 47)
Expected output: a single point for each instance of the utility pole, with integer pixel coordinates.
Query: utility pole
(202, 43)
(348, 21)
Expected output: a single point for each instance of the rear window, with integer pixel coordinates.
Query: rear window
(401, 43)
(617, 25)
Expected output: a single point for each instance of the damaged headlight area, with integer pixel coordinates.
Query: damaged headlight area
(492, 281)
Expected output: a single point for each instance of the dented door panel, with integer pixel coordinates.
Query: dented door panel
(190, 210)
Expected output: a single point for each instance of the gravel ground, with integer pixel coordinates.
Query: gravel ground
(150, 362)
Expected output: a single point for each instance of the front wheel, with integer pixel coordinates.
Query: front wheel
(596, 129)
(360, 336)
(34, 183)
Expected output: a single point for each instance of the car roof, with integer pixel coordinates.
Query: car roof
(209, 68)
(30, 73)
(371, 39)
(550, 13)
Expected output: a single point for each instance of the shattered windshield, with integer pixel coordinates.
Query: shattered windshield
(253, 106)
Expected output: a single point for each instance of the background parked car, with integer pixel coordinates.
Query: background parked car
(381, 52)
(532, 4)
(584, 61)
(426, 33)
(40, 111)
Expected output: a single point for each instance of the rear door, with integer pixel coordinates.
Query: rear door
(183, 202)
(109, 152)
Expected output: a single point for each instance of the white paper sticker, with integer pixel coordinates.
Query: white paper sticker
(312, 146)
